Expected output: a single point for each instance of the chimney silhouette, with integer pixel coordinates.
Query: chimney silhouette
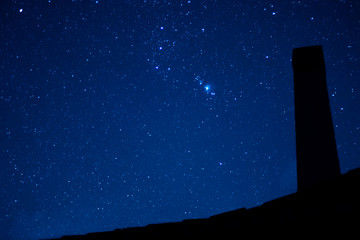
(316, 153)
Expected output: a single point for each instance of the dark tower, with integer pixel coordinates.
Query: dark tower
(316, 153)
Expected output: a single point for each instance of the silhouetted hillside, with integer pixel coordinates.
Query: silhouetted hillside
(330, 207)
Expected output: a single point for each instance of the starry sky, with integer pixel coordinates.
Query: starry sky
(124, 113)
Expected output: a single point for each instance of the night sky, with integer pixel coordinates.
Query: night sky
(124, 113)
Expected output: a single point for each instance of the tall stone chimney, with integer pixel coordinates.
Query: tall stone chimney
(316, 153)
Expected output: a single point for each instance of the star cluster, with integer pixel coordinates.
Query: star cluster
(124, 113)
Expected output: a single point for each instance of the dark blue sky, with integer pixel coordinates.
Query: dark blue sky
(124, 113)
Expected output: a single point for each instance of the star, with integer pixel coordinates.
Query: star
(207, 88)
